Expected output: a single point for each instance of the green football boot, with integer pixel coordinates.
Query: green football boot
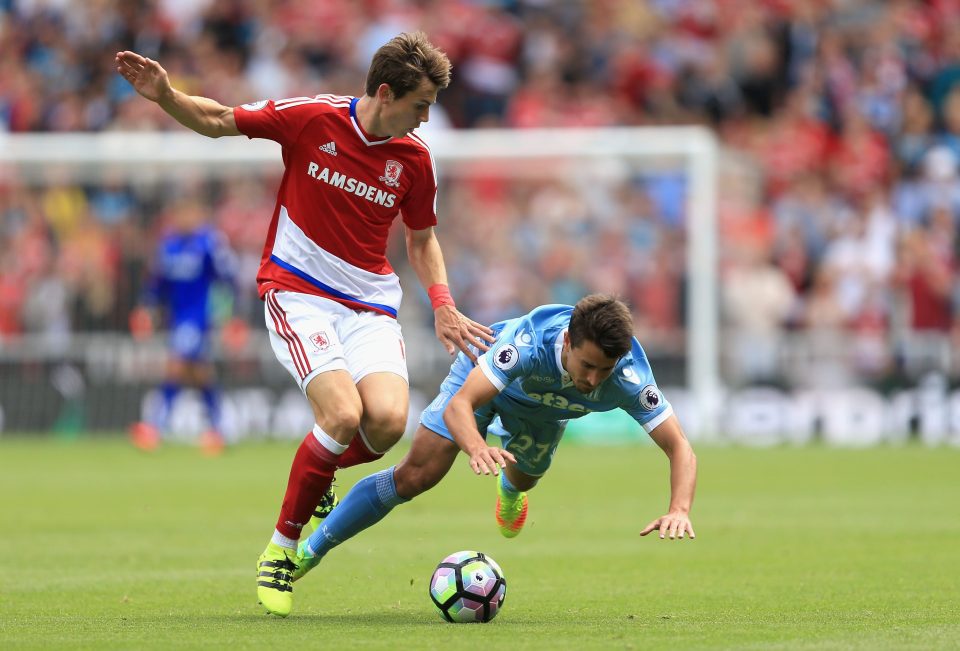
(511, 512)
(305, 560)
(275, 569)
(326, 505)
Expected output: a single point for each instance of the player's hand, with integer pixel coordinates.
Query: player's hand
(457, 332)
(485, 459)
(141, 323)
(146, 75)
(235, 334)
(673, 525)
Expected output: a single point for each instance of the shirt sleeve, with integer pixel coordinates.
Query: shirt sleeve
(223, 261)
(279, 120)
(419, 206)
(642, 398)
(505, 361)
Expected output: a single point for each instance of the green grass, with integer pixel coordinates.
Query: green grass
(107, 548)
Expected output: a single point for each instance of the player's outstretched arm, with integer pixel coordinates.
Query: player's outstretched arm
(454, 330)
(459, 418)
(205, 116)
(683, 481)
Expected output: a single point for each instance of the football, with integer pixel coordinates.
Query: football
(468, 587)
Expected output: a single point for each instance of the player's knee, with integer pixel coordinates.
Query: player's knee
(386, 424)
(339, 420)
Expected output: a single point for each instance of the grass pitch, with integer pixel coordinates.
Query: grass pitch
(108, 548)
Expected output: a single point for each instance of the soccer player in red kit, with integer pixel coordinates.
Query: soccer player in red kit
(331, 297)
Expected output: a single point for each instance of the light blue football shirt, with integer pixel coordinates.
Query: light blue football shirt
(524, 364)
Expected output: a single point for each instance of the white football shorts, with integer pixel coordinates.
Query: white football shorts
(311, 335)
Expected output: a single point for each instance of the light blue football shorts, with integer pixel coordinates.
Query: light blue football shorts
(532, 442)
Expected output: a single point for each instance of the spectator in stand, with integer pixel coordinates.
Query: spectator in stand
(831, 102)
(926, 275)
(758, 301)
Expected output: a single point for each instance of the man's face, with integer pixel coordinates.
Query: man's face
(189, 216)
(587, 364)
(401, 116)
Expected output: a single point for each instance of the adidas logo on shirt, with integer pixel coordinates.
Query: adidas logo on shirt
(329, 148)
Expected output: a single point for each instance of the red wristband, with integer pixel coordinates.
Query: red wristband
(440, 295)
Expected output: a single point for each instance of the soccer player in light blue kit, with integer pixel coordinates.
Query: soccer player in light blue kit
(190, 260)
(556, 363)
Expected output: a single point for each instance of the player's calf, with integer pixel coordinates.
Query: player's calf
(358, 452)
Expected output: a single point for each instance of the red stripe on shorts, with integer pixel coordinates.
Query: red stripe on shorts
(287, 334)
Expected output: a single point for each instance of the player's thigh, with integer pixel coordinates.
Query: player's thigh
(386, 400)
(373, 343)
(336, 404)
(427, 462)
(189, 340)
(304, 334)
(432, 415)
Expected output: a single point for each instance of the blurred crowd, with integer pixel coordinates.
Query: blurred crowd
(848, 110)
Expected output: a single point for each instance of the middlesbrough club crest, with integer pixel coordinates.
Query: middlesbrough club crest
(320, 340)
(391, 174)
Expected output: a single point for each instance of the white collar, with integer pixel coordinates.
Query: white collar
(565, 380)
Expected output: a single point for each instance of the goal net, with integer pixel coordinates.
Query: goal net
(526, 217)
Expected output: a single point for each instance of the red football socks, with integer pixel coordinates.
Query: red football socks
(310, 476)
(358, 453)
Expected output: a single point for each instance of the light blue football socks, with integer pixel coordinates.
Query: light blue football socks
(508, 489)
(366, 504)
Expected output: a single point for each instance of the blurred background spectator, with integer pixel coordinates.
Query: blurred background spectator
(848, 110)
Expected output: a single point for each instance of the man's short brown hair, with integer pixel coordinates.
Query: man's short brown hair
(404, 61)
(605, 321)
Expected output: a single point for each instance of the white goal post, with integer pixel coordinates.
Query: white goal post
(159, 155)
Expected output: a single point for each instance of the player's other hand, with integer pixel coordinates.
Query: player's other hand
(487, 460)
(141, 323)
(457, 332)
(235, 334)
(146, 75)
(673, 525)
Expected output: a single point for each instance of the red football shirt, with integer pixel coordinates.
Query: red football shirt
(341, 190)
